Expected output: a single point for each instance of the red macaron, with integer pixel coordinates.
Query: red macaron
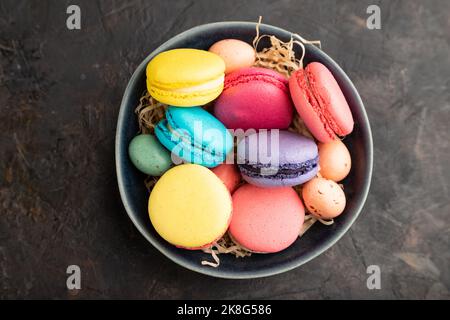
(320, 102)
(256, 98)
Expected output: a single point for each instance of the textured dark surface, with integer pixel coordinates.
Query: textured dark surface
(60, 92)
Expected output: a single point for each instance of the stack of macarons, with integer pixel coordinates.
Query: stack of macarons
(226, 154)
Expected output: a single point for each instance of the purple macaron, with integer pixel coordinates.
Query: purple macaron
(276, 158)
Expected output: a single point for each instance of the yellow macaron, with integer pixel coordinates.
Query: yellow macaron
(190, 207)
(185, 77)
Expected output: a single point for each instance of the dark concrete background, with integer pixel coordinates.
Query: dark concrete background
(60, 92)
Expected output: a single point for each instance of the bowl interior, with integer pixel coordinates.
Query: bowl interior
(318, 238)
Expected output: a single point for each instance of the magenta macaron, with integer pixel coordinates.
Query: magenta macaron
(320, 102)
(266, 220)
(256, 98)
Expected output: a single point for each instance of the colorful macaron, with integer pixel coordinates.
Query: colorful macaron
(185, 77)
(323, 198)
(334, 160)
(148, 155)
(277, 158)
(256, 98)
(266, 220)
(229, 174)
(320, 102)
(194, 135)
(237, 54)
(190, 207)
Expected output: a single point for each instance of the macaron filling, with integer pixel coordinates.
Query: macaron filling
(190, 88)
(318, 103)
(210, 85)
(284, 171)
(184, 93)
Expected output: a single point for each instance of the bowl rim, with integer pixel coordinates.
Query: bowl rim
(215, 272)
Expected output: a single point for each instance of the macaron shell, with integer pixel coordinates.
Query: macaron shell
(180, 68)
(323, 198)
(237, 54)
(266, 220)
(306, 106)
(320, 102)
(334, 160)
(326, 88)
(229, 175)
(148, 155)
(292, 151)
(185, 77)
(194, 135)
(190, 207)
(179, 99)
(255, 98)
(202, 126)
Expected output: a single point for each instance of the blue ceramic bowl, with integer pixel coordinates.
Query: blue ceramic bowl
(318, 239)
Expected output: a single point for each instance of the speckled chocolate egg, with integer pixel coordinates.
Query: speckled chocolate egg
(237, 54)
(323, 198)
(334, 160)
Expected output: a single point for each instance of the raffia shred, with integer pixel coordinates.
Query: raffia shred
(224, 245)
(149, 112)
(308, 222)
(279, 56)
(326, 222)
(150, 182)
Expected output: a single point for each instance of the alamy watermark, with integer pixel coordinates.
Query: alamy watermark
(259, 146)
(73, 21)
(374, 20)
(73, 281)
(374, 279)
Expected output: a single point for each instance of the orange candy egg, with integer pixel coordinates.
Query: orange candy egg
(237, 54)
(334, 160)
(323, 198)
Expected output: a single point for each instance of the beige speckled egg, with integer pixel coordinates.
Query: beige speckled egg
(334, 160)
(323, 198)
(237, 54)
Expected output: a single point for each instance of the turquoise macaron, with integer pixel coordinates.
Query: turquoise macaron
(194, 135)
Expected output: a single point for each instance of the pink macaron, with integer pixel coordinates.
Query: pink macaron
(320, 102)
(256, 98)
(266, 220)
